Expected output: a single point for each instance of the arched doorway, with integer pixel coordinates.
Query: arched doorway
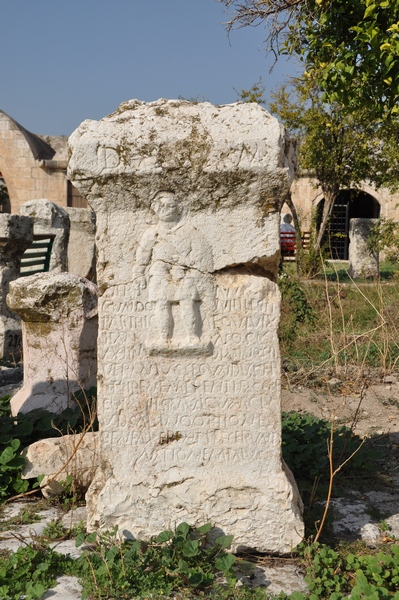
(350, 204)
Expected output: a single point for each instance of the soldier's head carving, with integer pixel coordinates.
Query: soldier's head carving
(166, 206)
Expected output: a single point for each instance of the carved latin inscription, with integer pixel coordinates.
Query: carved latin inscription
(197, 398)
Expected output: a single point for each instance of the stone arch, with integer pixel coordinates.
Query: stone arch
(24, 157)
(349, 204)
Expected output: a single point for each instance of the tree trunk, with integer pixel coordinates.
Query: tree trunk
(329, 201)
(298, 232)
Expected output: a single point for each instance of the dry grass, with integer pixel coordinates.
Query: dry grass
(355, 329)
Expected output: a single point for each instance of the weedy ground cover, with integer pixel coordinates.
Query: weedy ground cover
(305, 446)
(332, 323)
(185, 563)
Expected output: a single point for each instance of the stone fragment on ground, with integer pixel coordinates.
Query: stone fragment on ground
(288, 578)
(20, 535)
(78, 453)
(74, 517)
(371, 534)
(67, 588)
(353, 518)
(24, 534)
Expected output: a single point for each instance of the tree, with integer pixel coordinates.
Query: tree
(342, 150)
(4, 197)
(350, 47)
(254, 94)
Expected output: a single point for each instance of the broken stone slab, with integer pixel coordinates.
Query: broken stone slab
(82, 244)
(59, 331)
(67, 588)
(78, 453)
(187, 199)
(74, 516)
(16, 234)
(25, 533)
(371, 535)
(52, 220)
(287, 578)
(363, 262)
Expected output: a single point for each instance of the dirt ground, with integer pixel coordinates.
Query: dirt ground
(371, 406)
(375, 408)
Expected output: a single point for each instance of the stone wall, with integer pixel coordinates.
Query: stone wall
(30, 166)
(306, 195)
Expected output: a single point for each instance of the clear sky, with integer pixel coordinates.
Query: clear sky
(64, 61)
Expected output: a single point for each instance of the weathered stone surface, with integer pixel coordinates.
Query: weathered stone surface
(26, 533)
(371, 534)
(77, 514)
(67, 588)
(362, 261)
(186, 199)
(280, 578)
(50, 219)
(77, 453)
(59, 331)
(82, 244)
(15, 236)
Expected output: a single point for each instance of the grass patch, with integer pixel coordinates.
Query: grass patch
(352, 323)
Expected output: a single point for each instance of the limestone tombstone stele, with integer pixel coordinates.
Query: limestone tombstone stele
(187, 200)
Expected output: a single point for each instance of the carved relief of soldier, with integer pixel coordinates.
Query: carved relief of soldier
(173, 261)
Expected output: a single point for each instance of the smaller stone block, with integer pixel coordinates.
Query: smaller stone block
(77, 453)
(59, 333)
(16, 234)
(362, 261)
(82, 244)
(50, 219)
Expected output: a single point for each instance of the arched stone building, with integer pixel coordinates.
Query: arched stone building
(33, 167)
(366, 202)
